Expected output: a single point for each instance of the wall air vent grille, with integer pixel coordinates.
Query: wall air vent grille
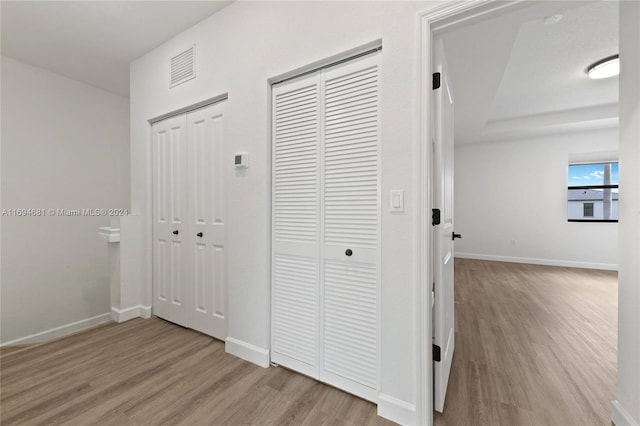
(183, 66)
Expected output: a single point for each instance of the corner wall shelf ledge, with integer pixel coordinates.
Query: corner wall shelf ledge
(110, 234)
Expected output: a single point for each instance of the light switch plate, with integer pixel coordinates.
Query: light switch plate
(397, 201)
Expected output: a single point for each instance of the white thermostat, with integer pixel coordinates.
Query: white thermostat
(241, 160)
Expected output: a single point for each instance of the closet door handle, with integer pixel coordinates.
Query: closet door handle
(348, 252)
(199, 234)
(176, 232)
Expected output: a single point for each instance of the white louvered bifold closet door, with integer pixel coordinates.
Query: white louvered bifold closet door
(326, 225)
(351, 223)
(296, 218)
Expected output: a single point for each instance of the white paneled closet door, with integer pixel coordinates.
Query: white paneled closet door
(189, 241)
(326, 225)
(170, 220)
(207, 234)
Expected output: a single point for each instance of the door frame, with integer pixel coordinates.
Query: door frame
(431, 22)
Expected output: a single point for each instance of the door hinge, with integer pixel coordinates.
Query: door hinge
(436, 353)
(433, 295)
(436, 80)
(435, 217)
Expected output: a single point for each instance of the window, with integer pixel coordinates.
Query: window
(592, 194)
(587, 209)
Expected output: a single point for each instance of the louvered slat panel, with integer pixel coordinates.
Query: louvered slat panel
(296, 168)
(351, 159)
(350, 322)
(182, 66)
(295, 300)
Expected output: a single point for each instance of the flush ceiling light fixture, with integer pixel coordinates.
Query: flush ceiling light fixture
(604, 68)
(553, 19)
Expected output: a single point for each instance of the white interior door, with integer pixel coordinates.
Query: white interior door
(296, 224)
(326, 225)
(207, 236)
(170, 225)
(350, 245)
(189, 241)
(443, 310)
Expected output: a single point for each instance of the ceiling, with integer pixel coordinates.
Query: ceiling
(514, 76)
(94, 41)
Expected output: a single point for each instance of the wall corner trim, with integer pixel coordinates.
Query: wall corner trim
(533, 261)
(122, 315)
(247, 351)
(620, 416)
(396, 410)
(60, 331)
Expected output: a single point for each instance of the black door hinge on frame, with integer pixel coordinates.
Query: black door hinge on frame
(436, 353)
(436, 80)
(435, 217)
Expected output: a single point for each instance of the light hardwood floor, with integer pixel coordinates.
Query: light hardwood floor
(535, 345)
(154, 372)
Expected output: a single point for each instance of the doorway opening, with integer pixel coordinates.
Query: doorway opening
(525, 109)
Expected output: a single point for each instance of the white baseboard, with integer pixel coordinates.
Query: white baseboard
(247, 351)
(396, 410)
(60, 331)
(548, 262)
(620, 416)
(145, 311)
(122, 315)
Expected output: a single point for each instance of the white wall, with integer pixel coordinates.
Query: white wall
(626, 409)
(64, 145)
(238, 50)
(511, 202)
